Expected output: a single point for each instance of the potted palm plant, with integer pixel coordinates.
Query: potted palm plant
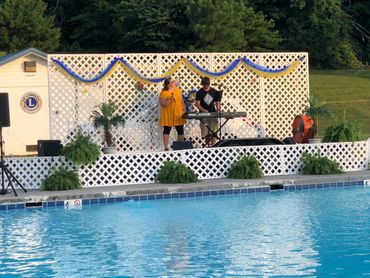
(315, 109)
(105, 116)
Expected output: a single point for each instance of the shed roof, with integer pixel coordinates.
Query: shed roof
(15, 55)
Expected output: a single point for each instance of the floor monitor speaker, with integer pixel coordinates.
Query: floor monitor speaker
(236, 142)
(4, 110)
(49, 147)
(182, 145)
(289, 141)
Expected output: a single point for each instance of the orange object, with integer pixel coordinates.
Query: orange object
(302, 128)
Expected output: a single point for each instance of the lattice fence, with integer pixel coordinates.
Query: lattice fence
(271, 103)
(141, 167)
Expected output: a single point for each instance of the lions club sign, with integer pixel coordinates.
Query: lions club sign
(31, 102)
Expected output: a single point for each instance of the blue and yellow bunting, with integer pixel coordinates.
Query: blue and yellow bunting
(257, 69)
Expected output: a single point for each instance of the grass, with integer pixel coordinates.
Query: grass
(344, 91)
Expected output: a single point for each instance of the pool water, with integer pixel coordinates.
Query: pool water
(318, 232)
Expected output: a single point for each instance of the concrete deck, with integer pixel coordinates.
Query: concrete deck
(127, 190)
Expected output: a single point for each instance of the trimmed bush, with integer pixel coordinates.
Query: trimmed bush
(315, 164)
(81, 151)
(175, 172)
(61, 179)
(246, 167)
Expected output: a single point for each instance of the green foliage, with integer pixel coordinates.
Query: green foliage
(315, 164)
(320, 27)
(175, 172)
(260, 34)
(105, 116)
(246, 167)
(217, 25)
(23, 24)
(92, 23)
(152, 26)
(61, 179)
(342, 131)
(315, 109)
(81, 151)
(359, 17)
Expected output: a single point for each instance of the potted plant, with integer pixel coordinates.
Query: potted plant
(61, 179)
(81, 150)
(246, 167)
(316, 164)
(342, 131)
(175, 172)
(315, 109)
(105, 116)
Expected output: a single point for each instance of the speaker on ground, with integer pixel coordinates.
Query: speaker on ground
(289, 141)
(184, 145)
(236, 142)
(4, 110)
(49, 147)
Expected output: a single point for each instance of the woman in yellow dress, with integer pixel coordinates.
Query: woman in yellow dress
(172, 109)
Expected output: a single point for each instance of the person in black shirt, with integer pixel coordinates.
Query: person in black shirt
(208, 100)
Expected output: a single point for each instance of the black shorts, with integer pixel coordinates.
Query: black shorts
(179, 129)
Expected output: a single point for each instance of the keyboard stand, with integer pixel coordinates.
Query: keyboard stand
(215, 133)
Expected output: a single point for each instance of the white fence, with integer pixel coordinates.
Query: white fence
(140, 167)
(271, 103)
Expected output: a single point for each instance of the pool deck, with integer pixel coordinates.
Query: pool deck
(154, 188)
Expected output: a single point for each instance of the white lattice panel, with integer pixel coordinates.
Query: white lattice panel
(30, 172)
(71, 102)
(283, 97)
(271, 103)
(351, 156)
(141, 167)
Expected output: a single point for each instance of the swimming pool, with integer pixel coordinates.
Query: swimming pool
(317, 232)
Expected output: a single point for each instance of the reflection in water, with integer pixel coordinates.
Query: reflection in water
(176, 251)
(277, 241)
(305, 233)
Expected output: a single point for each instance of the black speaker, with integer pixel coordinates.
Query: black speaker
(49, 147)
(182, 145)
(289, 141)
(4, 110)
(236, 142)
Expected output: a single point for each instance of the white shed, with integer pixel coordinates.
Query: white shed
(24, 76)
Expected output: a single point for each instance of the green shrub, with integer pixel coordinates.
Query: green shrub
(82, 150)
(175, 172)
(246, 167)
(315, 164)
(61, 179)
(342, 131)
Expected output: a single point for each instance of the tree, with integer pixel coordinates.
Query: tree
(259, 32)
(23, 24)
(217, 25)
(87, 26)
(318, 26)
(358, 13)
(222, 25)
(150, 26)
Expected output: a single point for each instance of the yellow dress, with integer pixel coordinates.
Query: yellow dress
(171, 115)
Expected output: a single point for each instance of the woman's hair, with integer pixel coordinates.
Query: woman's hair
(166, 83)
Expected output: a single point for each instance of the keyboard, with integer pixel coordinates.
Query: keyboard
(207, 115)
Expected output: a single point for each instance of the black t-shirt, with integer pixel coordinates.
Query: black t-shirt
(207, 99)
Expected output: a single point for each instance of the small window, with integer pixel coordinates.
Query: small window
(30, 66)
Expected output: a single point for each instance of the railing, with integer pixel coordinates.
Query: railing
(141, 167)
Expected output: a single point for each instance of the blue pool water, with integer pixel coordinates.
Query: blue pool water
(300, 233)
